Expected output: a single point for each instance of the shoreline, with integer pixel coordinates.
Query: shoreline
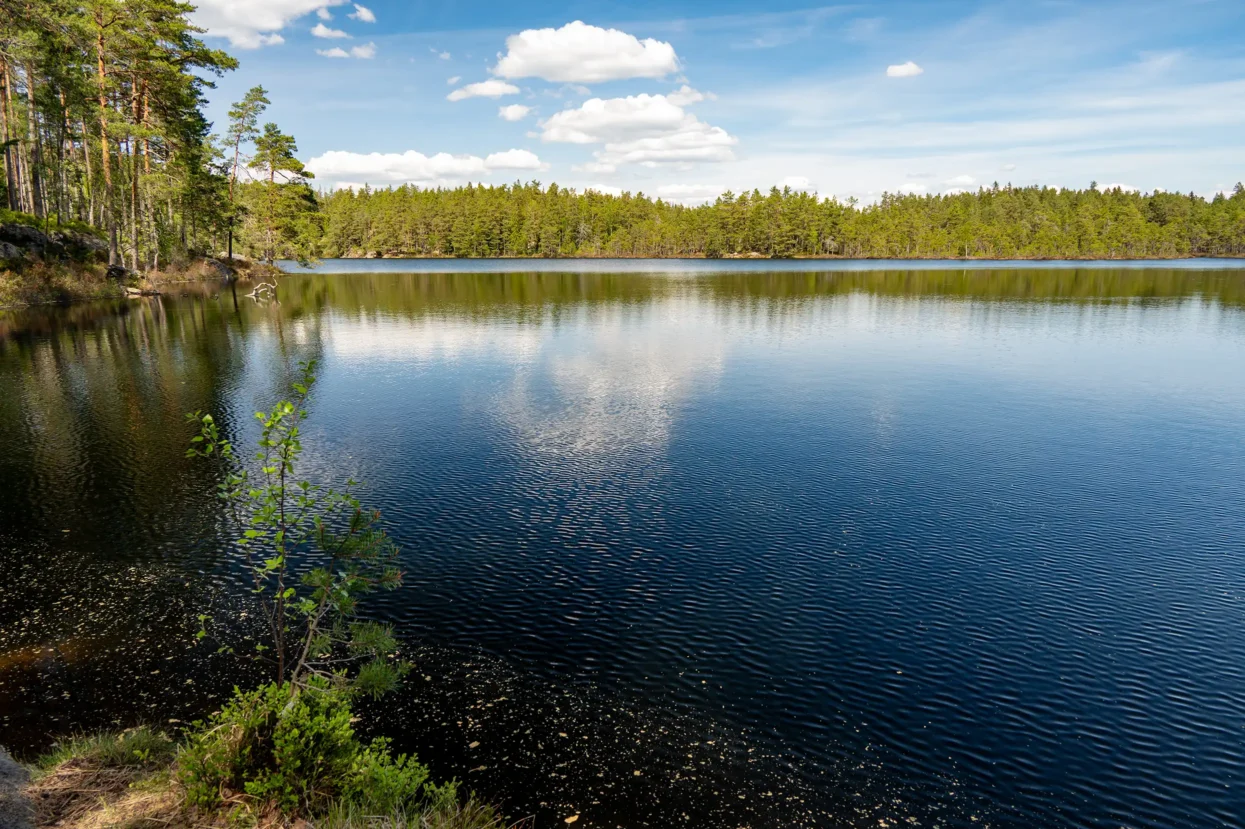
(763, 258)
(40, 284)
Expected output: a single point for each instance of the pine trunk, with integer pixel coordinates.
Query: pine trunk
(105, 150)
(35, 151)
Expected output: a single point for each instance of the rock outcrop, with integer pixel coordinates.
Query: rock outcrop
(19, 241)
(15, 808)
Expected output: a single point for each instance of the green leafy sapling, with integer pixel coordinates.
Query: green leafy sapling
(312, 553)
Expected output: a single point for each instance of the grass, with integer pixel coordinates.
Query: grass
(127, 780)
(138, 749)
(12, 217)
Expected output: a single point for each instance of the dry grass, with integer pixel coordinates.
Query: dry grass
(83, 794)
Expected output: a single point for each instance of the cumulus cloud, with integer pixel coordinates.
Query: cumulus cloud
(912, 188)
(483, 89)
(694, 142)
(686, 95)
(1009, 167)
(801, 184)
(514, 160)
(364, 52)
(903, 70)
(453, 80)
(598, 120)
(324, 14)
(690, 193)
(413, 167)
(363, 14)
(514, 112)
(1127, 188)
(961, 181)
(250, 25)
(579, 53)
(639, 129)
(320, 30)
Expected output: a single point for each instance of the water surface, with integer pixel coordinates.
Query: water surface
(800, 547)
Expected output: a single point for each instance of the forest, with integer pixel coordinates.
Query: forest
(102, 124)
(994, 223)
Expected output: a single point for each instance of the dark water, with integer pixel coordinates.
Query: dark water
(757, 548)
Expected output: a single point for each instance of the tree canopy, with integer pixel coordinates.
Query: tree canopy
(998, 222)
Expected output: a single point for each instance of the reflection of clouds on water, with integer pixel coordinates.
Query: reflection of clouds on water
(435, 338)
(612, 386)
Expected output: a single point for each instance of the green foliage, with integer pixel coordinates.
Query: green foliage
(313, 552)
(297, 750)
(137, 748)
(52, 223)
(995, 222)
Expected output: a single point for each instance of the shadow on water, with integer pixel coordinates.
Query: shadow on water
(659, 574)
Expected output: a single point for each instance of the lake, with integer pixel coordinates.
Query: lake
(686, 543)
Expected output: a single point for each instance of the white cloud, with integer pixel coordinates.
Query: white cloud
(444, 55)
(594, 167)
(912, 188)
(1009, 167)
(690, 193)
(453, 80)
(249, 24)
(363, 14)
(514, 160)
(364, 52)
(695, 142)
(639, 129)
(340, 166)
(686, 95)
(961, 181)
(903, 70)
(483, 89)
(598, 120)
(324, 14)
(801, 184)
(579, 53)
(1127, 188)
(514, 112)
(320, 30)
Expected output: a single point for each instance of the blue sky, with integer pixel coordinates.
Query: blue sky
(686, 99)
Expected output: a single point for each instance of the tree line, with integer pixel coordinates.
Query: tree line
(997, 222)
(101, 122)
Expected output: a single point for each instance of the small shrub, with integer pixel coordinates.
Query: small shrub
(297, 751)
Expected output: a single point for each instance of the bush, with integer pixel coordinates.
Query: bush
(298, 751)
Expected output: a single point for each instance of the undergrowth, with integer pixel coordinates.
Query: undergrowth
(271, 757)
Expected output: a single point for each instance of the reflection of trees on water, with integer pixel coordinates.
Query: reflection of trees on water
(93, 438)
(1043, 284)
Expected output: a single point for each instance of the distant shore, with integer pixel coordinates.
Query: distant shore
(763, 257)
